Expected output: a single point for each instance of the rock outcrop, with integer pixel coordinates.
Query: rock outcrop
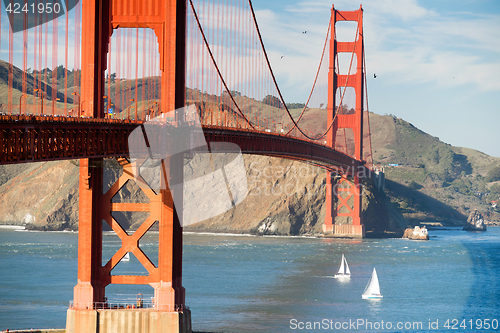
(475, 222)
(416, 233)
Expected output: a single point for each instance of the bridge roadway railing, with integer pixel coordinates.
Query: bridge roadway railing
(46, 138)
(26, 138)
(125, 305)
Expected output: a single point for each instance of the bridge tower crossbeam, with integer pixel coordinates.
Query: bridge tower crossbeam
(344, 188)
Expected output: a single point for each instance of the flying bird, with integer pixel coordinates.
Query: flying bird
(282, 56)
(374, 75)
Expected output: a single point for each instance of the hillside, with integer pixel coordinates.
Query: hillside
(432, 181)
(44, 195)
(427, 179)
(125, 88)
(284, 198)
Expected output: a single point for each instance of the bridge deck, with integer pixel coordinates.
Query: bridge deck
(46, 138)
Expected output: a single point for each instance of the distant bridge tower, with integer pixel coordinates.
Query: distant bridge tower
(90, 313)
(345, 186)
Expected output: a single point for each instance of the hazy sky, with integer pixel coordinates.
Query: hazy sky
(437, 62)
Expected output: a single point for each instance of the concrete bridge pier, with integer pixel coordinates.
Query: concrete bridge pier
(128, 321)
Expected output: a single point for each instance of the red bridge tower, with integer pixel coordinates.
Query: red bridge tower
(90, 312)
(345, 186)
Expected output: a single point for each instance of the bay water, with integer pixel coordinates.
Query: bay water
(243, 283)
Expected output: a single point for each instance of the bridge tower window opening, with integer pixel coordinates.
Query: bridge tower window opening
(346, 31)
(343, 63)
(132, 76)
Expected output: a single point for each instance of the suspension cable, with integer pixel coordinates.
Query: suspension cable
(276, 84)
(272, 74)
(368, 110)
(215, 64)
(316, 78)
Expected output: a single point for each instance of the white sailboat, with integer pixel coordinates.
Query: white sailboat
(372, 289)
(126, 257)
(344, 271)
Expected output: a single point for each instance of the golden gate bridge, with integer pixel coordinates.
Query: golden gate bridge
(117, 65)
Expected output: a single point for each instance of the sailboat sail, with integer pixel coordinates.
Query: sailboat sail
(344, 269)
(347, 271)
(372, 290)
(341, 269)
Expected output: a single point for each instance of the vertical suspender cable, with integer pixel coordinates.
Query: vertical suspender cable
(207, 46)
(116, 77)
(25, 63)
(77, 56)
(46, 55)
(127, 55)
(211, 18)
(124, 72)
(107, 106)
(367, 110)
(128, 63)
(40, 59)
(54, 62)
(150, 60)
(0, 31)
(150, 67)
(66, 64)
(155, 72)
(136, 69)
(152, 79)
(119, 74)
(11, 67)
(218, 89)
(232, 69)
(155, 48)
(240, 66)
(202, 74)
(143, 78)
(226, 56)
(35, 45)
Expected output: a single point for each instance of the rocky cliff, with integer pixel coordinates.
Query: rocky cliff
(284, 198)
(288, 198)
(42, 195)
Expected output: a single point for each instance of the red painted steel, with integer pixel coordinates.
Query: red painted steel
(35, 139)
(90, 137)
(168, 20)
(342, 121)
(89, 288)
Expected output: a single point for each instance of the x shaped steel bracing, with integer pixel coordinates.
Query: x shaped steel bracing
(130, 243)
(343, 201)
